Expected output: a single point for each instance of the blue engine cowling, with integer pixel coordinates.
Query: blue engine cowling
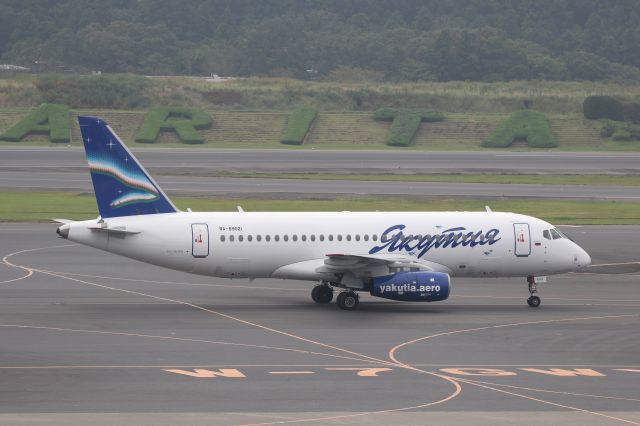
(412, 286)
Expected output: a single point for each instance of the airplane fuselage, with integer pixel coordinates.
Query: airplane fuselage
(293, 245)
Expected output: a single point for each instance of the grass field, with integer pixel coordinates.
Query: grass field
(591, 180)
(36, 206)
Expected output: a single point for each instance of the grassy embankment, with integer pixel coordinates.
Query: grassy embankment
(32, 206)
(252, 113)
(333, 130)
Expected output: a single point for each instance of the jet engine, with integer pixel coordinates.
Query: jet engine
(412, 286)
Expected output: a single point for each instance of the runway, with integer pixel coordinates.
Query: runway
(200, 161)
(189, 172)
(89, 337)
(293, 188)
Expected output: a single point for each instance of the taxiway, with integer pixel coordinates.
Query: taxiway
(336, 161)
(90, 337)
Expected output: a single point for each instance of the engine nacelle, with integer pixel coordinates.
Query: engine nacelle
(412, 286)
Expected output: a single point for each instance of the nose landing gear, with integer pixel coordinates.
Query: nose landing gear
(533, 300)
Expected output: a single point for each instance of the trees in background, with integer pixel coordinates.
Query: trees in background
(477, 40)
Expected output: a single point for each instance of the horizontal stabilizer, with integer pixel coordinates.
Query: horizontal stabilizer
(122, 230)
(61, 221)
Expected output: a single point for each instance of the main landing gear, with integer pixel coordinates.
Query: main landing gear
(533, 300)
(322, 293)
(347, 300)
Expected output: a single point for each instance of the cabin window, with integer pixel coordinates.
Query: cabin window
(258, 237)
(250, 238)
(286, 238)
(295, 238)
(267, 238)
(304, 238)
(357, 237)
(340, 237)
(330, 237)
(276, 237)
(366, 237)
(231, 238)
(546, 234)
(222, 238)
(240, 238)
(348, 237)
(321, 237)
(313, 238)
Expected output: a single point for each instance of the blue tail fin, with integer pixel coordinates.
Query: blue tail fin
(122, 186)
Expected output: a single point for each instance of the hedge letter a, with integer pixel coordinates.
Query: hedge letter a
(48, 119)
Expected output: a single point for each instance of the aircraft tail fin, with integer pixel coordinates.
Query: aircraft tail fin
(122, 186)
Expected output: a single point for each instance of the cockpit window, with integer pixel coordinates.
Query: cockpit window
(553, 234)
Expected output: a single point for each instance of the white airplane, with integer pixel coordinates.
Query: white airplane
(400, 256)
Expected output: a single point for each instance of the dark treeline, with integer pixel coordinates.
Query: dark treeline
(426, 40)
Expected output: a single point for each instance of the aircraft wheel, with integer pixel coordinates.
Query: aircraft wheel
(322, 294)
(534, 301)
(348, 300)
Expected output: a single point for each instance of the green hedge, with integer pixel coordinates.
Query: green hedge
(183, 121)
(621, 135)
(620, 131)
(403, 129)
(405, 123)
(529, 125)
(632, 112)
(598, 107)
(48, 119)
(298, 125)
(385, 114)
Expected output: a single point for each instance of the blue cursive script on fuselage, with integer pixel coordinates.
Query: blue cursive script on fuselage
(394, 239)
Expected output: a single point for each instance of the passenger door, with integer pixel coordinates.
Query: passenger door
(522, 239)
(200, 240)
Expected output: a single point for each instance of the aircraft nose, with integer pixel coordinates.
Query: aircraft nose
(581, 259)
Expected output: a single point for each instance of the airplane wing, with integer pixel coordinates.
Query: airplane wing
(351, 262)
(354, 268)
